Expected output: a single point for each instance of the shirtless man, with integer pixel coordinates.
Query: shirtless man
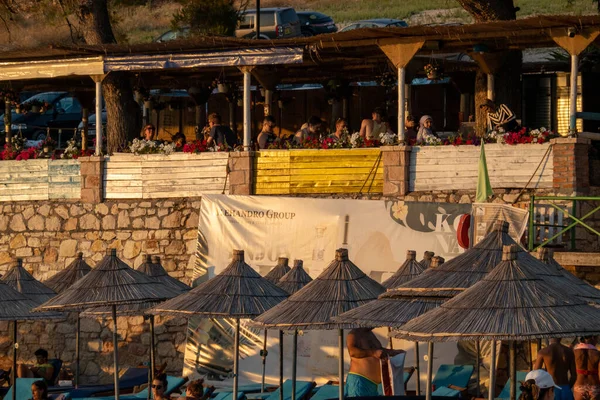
(587, 358)
(371, 128)
(560, 364)
(366, 353)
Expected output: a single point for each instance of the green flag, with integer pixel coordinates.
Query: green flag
(484, 188)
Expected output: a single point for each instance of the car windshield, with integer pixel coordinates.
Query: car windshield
(288, 16)
(399, 23)
(48, 97)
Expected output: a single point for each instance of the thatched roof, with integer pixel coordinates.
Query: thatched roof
(341, 287)
(437, 261)
(575, 285)
(23, 282)
(154, 268)
(296, 279)
(426, 261)
(410, 269)
(112, 282)
(239, 292)
(68, 276)
(510, 303)
(279, 270)
(14, 306)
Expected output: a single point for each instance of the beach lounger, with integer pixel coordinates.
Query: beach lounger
(451, 380)
(173, 384)
(326, 392)
(505, 394)
(23, 388)
(228, 396)
(303, 389)
(249, 388)
(129, 380)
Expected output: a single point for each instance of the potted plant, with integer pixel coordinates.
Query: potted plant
(221, 85)
(431, 70)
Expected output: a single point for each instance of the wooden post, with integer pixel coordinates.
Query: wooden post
(247, 109)
(264, 363)
(7, 122)
(294, 362)
(13, 376)
(99, 118)
(417, 368)
(513, 370)
(341, 363)
(478, 370)
(236, 359)
(77, 340)
(280, 365)
(428, 389)
(573, 95)
(492, 385)
(491, 91)
(115, 350)
(84, 132)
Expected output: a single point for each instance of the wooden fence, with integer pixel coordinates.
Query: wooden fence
(129, 176)
(318, 171)
(455, 167)
(39, 180)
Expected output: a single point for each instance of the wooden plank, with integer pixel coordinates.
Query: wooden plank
(184, 164)
(335, 171)
(334, 190)
(176, 182)
(271, 172)
(339, 183)
(327, 178)
(120, 177)
(267, 179)
(518, 173)
(122, 195)
(22, 197)
(184, 188)
(125, 183)
(174, 171)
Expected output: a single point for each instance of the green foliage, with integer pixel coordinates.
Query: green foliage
(208, 17)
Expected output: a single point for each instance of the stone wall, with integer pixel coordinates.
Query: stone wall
(48, 235)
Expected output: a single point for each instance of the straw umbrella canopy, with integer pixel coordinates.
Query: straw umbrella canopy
(237, 292)
(23, 282)
(112, 283)
(61, 281)
(409, 270)
(426, 261)
(292, 282)
(279, 270)
(511, 303)
(342, 286)
(153, 267)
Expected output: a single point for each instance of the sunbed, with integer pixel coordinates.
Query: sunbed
(129, 380)
(249, 388)
(303, 389)
(451, 380)
(23, 388)
(505, 394)
(173, 383)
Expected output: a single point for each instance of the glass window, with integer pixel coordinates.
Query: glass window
(288, 16)
(247, 21)
(267, 19)
(68, 105)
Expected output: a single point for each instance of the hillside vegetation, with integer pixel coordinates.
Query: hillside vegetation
(139, 24)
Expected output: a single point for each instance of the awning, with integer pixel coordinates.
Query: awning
(18, 70)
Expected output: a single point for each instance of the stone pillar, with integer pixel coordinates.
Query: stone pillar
(396, 161)
(241, 172)
(571, 165)
(92, 168)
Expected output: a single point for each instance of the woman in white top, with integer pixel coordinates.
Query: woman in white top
(425, 130)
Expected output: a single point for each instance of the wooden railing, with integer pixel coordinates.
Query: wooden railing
(318, 171)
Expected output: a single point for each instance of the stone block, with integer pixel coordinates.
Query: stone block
(131, 249)
(53, 224)
(18, 241)
(68, 248)
(123, 219)
(24, 252)
(70, 225)
(28, 212)
(89, 221)
(175, 247)
(152, 223)
(172, 221)
(17, 223)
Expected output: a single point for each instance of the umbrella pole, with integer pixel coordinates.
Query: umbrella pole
(77, 340)
(236, 356)
(294, 361)
(512, 369)
(341, 365)
(264, 363)
(14, 371)
(115, 352)
(492, 388)
(280, 365)
(152, 349)
(417, 369)
(478, 345)
(390, 338)
(429, 371)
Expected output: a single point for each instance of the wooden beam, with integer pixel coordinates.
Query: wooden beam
(400, 53)
(267, 77)
(574, 45)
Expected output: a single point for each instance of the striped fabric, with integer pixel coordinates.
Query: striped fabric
(502, 115)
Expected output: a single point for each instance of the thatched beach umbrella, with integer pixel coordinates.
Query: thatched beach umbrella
(426, 261)
(292, 282)
(339, 288)
(23, 282)
(15, 307)
(511, 303)
(153, 267)
(61, 281)
(409, 270)
(279, 270)
(238, 292)
(112, 283)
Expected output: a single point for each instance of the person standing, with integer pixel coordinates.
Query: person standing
(538, 385)
(587, 358)
(366, 353)
(267, 136)
(559, 361)
(220, 135)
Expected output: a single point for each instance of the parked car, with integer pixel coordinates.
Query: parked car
(315, 23)
(376, 23)
(275, 23)
(173, 35)
(64, 113)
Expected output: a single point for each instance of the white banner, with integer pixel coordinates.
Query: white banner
(376, 233)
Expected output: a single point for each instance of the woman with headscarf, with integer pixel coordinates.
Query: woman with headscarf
(425, 130)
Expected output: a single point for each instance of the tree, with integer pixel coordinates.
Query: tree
(508, 78)
(209, 17)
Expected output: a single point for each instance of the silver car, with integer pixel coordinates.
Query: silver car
(275, 23)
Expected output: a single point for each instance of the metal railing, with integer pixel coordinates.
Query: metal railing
(546, 233)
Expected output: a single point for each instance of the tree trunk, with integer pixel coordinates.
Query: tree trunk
(490, 10)
(123, 115)
(480, 97)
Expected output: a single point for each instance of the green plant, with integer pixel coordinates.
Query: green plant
(209, 17)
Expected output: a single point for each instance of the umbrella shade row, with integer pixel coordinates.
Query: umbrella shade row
(295, 279)
(409, 270)
(68, 276)
(279, 270)
(22, 281)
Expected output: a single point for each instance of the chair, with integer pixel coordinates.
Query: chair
(505, 393)
(326, 392)
(130, 379)
(303, 389)
(173, 383)
(228, 396)
(23, 388)
(57, 365)
(249, 388)
(451, 380)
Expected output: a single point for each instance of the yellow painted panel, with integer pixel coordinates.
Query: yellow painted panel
(335, 171)
(267, 179)
(340, 178)
(335, 189)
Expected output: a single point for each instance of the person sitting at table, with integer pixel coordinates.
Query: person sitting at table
(220, 134)
(267, 135)
(499, 117)
(370, 129)
(311, 130)
(148, 132)
(41, 369)
(425, 129)
(179, 140)
(341, 130)
(410, 133)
